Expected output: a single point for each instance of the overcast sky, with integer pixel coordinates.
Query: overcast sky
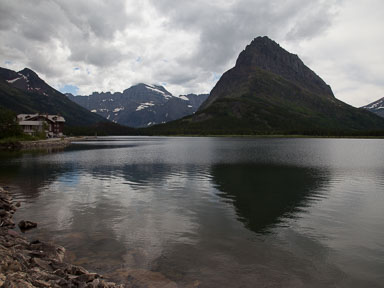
(186, 45)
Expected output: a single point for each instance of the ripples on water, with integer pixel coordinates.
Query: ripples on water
(228, 212)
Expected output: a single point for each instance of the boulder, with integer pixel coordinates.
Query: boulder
(26, 225)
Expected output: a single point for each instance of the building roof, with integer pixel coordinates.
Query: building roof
(32, 117)
(56, 118)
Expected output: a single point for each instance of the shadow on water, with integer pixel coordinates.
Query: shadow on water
(18, 168)
(264, 195)
(84, 146)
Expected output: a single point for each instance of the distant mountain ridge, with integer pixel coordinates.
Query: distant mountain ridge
(271, 91)
(141, 105)
(26, 92)
(376, 107)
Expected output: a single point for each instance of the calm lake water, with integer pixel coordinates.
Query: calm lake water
(226, 212)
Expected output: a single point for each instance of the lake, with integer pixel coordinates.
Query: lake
(219, 212)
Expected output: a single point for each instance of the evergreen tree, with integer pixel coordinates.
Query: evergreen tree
(8, 124)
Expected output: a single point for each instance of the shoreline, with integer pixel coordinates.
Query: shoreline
(59, 143)
(55, 143)
(36, 263)
(31, 263)
(48, 143)
(282, 136)
(37, 144)
(288, 136)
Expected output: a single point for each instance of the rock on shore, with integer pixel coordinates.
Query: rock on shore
(37, 264)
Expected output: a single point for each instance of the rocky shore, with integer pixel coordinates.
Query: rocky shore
(48, 143)
(39, 144)
(36, 263)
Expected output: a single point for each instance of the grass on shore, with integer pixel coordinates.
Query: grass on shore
(20, 138)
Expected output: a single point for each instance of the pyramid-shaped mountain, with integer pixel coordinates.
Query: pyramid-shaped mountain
(272, 91)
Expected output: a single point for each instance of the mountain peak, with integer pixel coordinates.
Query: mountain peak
(271, 91)
(25, 92)
(141, 105)
(263, 40)
(262, 49)
(266, 54)
(29, 73)
(157, 89)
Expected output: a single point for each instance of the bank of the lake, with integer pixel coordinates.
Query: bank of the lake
(51, 143)
(37, 263)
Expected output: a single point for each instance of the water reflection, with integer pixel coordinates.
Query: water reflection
(189, 208)
(29, 176)
(264, 195)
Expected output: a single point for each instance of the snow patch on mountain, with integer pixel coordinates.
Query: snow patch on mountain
(13, 80)
(144, 106)
(140, 104)
(182, 97)
(154, 89)
(379, 104)
(157, 90)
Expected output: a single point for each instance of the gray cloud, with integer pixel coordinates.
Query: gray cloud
(224, 30)
(101, 18)
(186, 44)
(98, 54)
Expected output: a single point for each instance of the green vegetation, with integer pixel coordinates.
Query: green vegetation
(268, 104)
(10, 131)
(23, 137)
(8, 124)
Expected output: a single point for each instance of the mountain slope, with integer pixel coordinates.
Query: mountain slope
(271, 91)
(25, 92)
(376, 107)
(141, 105)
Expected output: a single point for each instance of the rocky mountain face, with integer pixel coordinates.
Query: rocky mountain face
(27, 80)
(376, 107)
(26, 92)
(271, 91)
(267, 55)
(141, 105)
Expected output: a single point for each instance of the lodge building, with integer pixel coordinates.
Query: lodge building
(32, 124)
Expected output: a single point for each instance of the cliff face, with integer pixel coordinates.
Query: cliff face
(269, 56)
(265, 54)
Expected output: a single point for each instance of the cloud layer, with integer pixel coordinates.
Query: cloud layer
(109, 45)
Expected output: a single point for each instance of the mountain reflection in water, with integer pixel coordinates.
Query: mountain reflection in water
(263, 195)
